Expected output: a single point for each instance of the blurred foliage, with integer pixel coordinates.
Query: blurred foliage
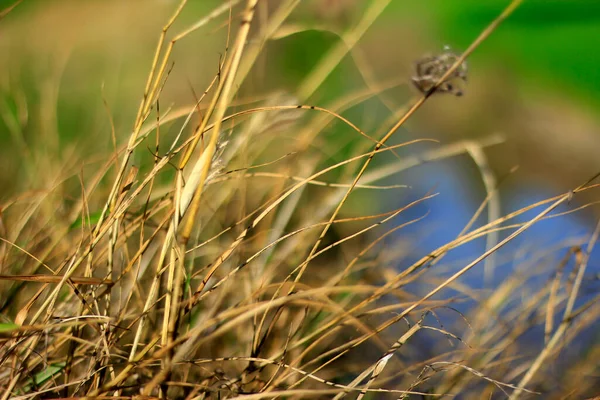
(62, 92)
(553, 43)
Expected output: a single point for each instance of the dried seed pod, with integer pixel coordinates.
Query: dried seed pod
(431, 69)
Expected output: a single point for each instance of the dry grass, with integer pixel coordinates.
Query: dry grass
(229, 262)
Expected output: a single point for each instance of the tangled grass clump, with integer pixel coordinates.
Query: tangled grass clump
(227, 263)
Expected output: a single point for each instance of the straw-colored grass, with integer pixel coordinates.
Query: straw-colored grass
(219, 251)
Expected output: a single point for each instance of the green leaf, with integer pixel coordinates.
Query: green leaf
(44, 375)
(92, 220)
(8, 327)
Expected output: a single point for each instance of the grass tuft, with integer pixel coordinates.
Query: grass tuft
(230, 247)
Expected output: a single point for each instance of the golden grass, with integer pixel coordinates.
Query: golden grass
(228, 262)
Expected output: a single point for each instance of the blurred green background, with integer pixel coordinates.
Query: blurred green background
(71, 71)
(550, 44)
(536, 80)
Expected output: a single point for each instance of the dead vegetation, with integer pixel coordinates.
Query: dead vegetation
(225, 261)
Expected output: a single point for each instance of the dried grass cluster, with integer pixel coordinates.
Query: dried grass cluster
(227, 266)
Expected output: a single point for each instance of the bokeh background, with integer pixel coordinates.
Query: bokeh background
(69, 65)
(70, 70)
